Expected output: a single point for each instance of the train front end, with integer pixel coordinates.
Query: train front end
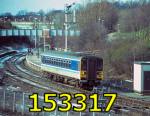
(91, 71)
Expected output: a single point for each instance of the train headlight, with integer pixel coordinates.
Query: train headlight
(83, 74)
(100, 75)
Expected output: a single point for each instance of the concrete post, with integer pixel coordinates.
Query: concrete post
(67, 113)
(23, 103)
(55, 112)
(4, 99)
(43, 111)
(14, 101)
(93, 113)
(80, 113)
(44, 43)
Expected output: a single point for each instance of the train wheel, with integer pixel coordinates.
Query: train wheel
(90, 88)
(57, 78)
(81, 85)
(66, 80)
(77, 84)
(52, 77)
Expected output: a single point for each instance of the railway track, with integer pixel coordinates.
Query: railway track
(16, 68)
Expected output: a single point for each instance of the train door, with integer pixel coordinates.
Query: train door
(91, 69)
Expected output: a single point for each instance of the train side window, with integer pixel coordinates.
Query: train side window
(64, 63)
(42, 59)
(50, 60)
(54, 61)
(45, 59)
(59, 62)
(69, 64)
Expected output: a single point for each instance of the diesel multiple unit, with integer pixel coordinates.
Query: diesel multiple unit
(68, 67)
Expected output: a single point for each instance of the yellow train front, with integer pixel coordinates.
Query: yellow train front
(78, 69)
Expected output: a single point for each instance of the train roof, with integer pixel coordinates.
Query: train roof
(69, 55)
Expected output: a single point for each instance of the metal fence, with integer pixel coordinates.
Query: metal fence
(19, 103)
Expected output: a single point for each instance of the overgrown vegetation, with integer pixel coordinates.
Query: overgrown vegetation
(129, 24)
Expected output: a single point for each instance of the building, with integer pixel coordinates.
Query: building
(142, 77)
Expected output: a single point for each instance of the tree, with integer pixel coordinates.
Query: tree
(42, 14)
(22, 13)
(104, 11)
(135, 19)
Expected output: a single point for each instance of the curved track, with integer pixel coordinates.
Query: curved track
(16, 69)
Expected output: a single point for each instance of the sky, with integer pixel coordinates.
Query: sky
(14, 6)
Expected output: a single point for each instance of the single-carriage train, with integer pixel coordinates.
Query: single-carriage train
(79, 69)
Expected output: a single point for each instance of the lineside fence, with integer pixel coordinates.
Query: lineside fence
(18, 103)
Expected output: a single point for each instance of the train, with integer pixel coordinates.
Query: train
(78, 69)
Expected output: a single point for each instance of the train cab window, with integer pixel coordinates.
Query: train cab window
(84, 64)
(99, 64)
